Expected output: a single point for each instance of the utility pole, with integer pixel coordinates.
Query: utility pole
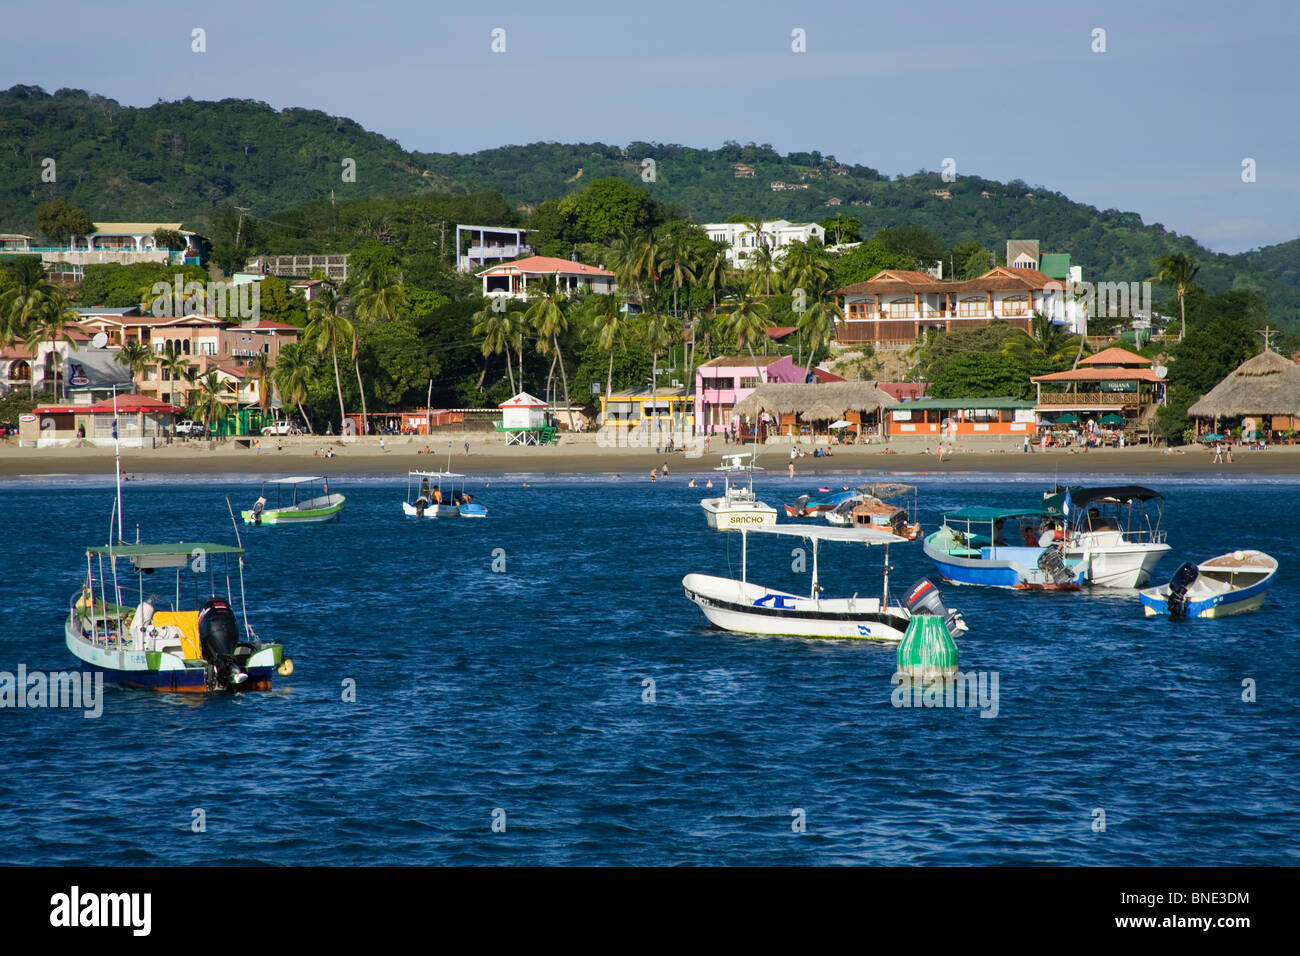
(1268, 332)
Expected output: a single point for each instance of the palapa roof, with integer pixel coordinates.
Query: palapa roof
(825, 400)
(1267, 384)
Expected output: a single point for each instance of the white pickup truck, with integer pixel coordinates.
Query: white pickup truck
(191, 429)
(282, 427)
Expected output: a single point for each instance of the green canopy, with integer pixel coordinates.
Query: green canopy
(1110, 418)
(981, 513)
(1069, 418)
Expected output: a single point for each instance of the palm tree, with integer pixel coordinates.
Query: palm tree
(1178, 270)
(546, 316)
(1046, 340)
(747, 322)
(817, 325)
(676, 263)
(136, 356)
(175, 366)
(291, 375)
(496, 330)
(657, 337)
(760, 271)
(54, 313)
(379, 296)
(210, 406)
(806, 267)
(606, 317)
(260, 367)
(21, 301)
(325, 329)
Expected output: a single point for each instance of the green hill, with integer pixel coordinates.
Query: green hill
(185, 160)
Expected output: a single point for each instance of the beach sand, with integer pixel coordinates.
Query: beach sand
(581, 455)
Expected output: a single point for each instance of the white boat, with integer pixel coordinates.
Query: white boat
(439, 497)
(303, 504)
(1111, 533)
(747, 608)
(737, 507)
(1232, 583)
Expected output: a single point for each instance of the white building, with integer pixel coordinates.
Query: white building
(488, 245)
(513, 279)
(777, 235)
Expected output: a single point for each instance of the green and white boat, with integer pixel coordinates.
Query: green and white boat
(306, 504)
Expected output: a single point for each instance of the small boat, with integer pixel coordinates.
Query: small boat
(1113, 532)
(443, 497)
(117, 627)
(737, 507)
(747, 608)
(304, 505)
(1232, 583)
(869, 506)
(818, 504)
(972, 547)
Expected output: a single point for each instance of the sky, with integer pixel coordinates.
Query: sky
(1155, 115)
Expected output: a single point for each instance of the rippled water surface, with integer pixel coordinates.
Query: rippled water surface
(522, 690)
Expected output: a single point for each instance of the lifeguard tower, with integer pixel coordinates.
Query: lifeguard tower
(523, 419)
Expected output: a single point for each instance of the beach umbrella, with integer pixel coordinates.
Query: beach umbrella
(840, 424)
(1215, 437)
(1069, 418)
(1110, 418)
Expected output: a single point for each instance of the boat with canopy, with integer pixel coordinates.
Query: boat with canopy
(748, 608)
(737, 507)
(1018, 548)
(1113, 532)
(297, 501)
(440, 494)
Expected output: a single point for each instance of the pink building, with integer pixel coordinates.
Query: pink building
(788, 370)
(722, 382)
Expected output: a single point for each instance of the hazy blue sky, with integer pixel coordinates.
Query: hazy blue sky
(1159, 123)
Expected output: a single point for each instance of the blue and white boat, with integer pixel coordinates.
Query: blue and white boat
(1232, 583)
(1015, 548)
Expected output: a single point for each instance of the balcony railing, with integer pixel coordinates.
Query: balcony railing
(1094, 398)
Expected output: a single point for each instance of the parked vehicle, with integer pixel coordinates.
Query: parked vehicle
(282, 427)
(191, 429)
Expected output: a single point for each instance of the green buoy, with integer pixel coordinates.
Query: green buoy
(927, 652)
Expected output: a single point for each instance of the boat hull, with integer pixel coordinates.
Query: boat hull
(1014, 568)
(724, 515)
(1117, 566)
(164, 671)
(1211, 598)
(749, 608)
(300, 514)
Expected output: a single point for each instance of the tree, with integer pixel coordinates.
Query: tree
(136, 356)
(817, 325)
(605, 313)
(1046, 340)
(675, 260)
(657, 337)
(210, 406)
(378, 297)
(169, 239)
(748, 321)
(176, 367)
(546, 316)
(325, 330)
(496, 328)
(61, 221)
(1178, 270)
(840, 228)
(260, 368)
(23, 298)
(975, 375)
(291, 375)
(805, 266)
(610, 207)
(50, 324)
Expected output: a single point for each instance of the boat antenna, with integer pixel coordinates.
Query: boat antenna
(243, 599)
(117, 454)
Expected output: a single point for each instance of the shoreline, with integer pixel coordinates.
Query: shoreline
(587, 458)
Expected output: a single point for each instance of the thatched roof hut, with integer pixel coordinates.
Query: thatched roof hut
(822, 401)
(1267, 384)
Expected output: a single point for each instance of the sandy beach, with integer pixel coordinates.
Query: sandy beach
(582, 455)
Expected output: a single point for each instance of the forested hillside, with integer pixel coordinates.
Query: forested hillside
(192, 160)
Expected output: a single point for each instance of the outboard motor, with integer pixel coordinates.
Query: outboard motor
(218, 637)
(420, 504)
(924, 598)
(1052, 564)
(258, 507)
(1183, 579)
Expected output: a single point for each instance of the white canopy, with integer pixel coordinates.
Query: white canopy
(820, 533)
(293, 481)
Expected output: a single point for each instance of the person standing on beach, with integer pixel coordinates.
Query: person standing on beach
(791, 464)
(1218, 452)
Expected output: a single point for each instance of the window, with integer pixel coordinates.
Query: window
(750, 382)
(981, 415)
(720, 382)
(902, 309)
(972, 307)
(1015, 305)
(856, 310)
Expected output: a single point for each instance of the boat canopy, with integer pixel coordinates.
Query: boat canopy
(816, 533)
(293, 481)
(434, 474)
(177, 555)
(1082, 497)
(981, 513)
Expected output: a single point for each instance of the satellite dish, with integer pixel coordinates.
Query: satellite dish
(1160, 371)
(100, 340)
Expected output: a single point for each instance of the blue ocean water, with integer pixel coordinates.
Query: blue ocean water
(521, 690)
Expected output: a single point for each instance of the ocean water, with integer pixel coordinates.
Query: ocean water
(518, 695)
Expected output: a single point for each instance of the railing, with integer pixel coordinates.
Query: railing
(1094, 398)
